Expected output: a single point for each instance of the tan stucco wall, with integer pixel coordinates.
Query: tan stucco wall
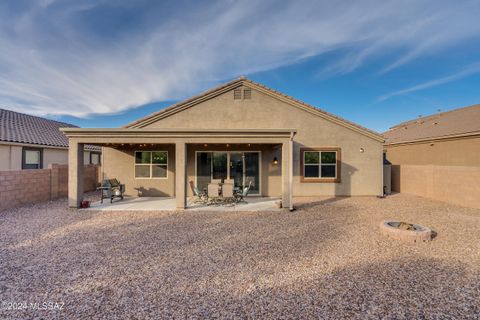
(55, 156)
(119, 164)
(459, 152)
(86, 157)
(10, 157)
(361, 172)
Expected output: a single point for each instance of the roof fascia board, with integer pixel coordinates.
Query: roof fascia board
(43, 146)
(432, 139)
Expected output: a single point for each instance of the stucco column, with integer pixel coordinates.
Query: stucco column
(286, 176)
(75, 174)
(180, 174)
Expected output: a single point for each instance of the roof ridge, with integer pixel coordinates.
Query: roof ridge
(438, 114)
(172, 106)
(313, 107)
(242, 80)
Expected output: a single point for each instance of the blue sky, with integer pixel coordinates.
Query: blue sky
(106, 63)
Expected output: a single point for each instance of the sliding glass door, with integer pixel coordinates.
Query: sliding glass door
(251, 172)
(242, 167)
(236, 168)
(219, 165)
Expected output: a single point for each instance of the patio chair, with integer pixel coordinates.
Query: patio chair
(200, 196)
(217, 181)
(213, 193)
(240, 196)
(227, 193)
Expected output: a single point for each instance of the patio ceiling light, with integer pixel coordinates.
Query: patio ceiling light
(275, 160)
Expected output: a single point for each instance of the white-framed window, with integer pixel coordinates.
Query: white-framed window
(32, 158)
(321, 165)
(151, 164)
(94, 158)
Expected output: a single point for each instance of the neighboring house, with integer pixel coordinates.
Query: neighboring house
(29, 142)
(240, 130)
(437, 156)
(445, 138)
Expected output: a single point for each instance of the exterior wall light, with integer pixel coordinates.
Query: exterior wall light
(362, 150)
(275, 160)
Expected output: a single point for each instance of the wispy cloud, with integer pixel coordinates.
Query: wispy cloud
(470, 70)
(67, 57)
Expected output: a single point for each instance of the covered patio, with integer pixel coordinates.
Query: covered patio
(183, 144)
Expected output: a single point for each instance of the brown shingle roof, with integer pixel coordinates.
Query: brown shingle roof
(440, 125)
(23, 128)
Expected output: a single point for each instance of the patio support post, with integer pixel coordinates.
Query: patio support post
(180, 174)
(290, 171)
(75, 174)
(286, 177)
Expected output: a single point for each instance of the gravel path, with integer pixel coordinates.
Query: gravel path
(326, 260)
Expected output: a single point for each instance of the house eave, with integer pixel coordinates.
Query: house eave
(467, 135)
(176, 133)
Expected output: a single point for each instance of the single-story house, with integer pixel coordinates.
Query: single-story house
(449, 138)
(240, 130)
(29, 142)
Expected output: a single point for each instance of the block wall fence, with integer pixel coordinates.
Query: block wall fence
(20, 187)
(458, 185)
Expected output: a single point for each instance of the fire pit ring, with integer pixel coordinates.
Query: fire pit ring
(408, 232)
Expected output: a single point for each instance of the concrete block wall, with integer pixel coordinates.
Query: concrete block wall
(20, 187)
(453, 184)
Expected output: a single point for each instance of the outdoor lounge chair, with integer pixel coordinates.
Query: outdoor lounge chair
(240, 196)
(200, 196)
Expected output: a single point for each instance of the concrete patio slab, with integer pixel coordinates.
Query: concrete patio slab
(169, 204)
(251, 204)
(135, 204)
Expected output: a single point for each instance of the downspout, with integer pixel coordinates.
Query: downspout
(290, 172)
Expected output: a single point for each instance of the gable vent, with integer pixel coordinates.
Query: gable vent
(237, 94)
(247, 93)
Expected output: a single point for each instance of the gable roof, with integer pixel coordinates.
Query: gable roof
(23, 128)
(242, 81)
(459, 122)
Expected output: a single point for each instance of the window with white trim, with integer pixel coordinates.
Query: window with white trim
(151, 164)
(318, 164)
(32, 158)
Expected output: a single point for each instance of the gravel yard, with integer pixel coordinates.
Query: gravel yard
(325, 260)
